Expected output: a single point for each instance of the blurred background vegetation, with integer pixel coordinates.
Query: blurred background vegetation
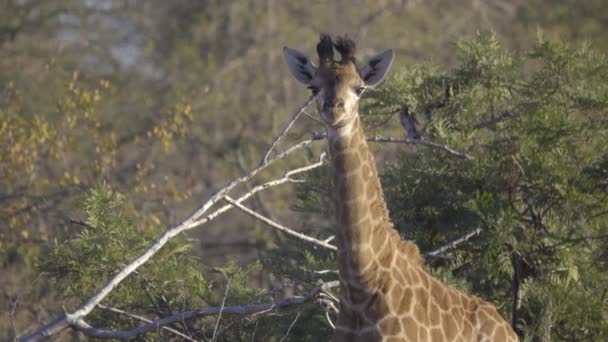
(156, 104)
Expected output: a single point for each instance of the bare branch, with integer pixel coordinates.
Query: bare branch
(193, 221)
(449, 150)
(244, 310)
(321, 272)
(453, 244)
(219, 316)
(143, 319)
(279, 226)
(287, 178)
(295, 117)
(290, 326)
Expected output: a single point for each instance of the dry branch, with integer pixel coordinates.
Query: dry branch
(453, 244)
(280, 227)
(449, 150)
(143, 319)
(195, 220)
(243, 310)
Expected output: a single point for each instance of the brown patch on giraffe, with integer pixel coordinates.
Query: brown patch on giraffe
(501, 334)
(415, 279)
(410, 253)
(457, 311)
(450, 328)
(395, 294)
(380, 238)
(411, 330)
(378, 209)
(423, 334)
(435, 315)
(398, 276)
(436, 334)
(438, 294)
(384, 255)
(467, 330)
(394, 339)
(366, 171)
(406, 300)
(422, 305)
(390, 325)
(371, 191)
(355, 139)
(424, 277)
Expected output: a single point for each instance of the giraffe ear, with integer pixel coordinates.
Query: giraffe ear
(300, 65)
(376, 68)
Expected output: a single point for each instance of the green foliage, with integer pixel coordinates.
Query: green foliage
(107, 241)
(536, 126)
(168, 97)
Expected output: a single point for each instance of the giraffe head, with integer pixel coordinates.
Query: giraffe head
(337, 84)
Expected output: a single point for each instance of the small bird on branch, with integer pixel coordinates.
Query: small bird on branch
(410, 123)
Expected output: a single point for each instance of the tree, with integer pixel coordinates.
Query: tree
(535, 125)
(533, 129)
(162, 101)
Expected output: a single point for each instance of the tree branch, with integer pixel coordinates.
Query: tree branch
(195, 220)
(243, 310)
(449, 150)
(279, 226)
(219, 316)
(452, 244)
(295, 117)
(143, 319)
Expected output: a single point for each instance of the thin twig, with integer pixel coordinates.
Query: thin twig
(287, 178)
(245, 310)
(290, 326)
(279, 226)
(14, 303)
(453, 244)
(325, 272)
(293, 120)
(449, 150)
(219, 316)
(143, 319)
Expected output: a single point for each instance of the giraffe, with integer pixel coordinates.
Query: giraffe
(385, 292)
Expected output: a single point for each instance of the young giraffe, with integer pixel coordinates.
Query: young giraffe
(386, 295)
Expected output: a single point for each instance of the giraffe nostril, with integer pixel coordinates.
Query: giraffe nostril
(334, 104)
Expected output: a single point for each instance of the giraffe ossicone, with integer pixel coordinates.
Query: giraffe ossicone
(385, 292)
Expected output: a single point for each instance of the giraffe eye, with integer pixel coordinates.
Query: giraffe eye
(359, 90)
(315, 90)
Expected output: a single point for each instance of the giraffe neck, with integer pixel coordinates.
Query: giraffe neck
(364, 230)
